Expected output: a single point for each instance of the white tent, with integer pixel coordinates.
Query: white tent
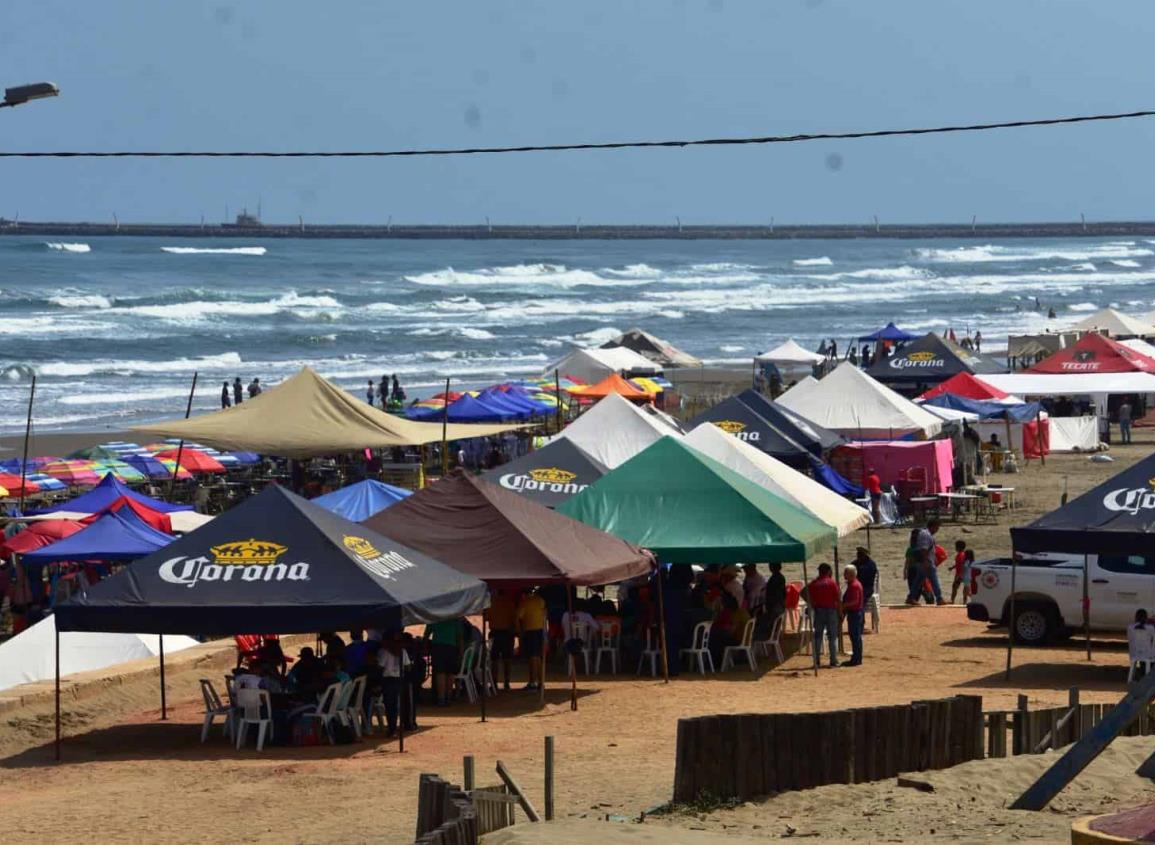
(800, 388)
(593, 365)
(1140, 346)
(949, 414)
(852, 403)
(30, 656)
(1096, 385)
(791, 354)
(1074, 434)
(1115, 324)
(798, 489)
(615, 429)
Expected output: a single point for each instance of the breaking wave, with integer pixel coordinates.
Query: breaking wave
(212, 250)
(63, 247)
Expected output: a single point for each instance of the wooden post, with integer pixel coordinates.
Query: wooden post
(549, 778)
(662, 627)
(180, 446)
(1087, 604)
(444, 431)
(27, 439)
(163, 698)
(513, 787)
(57, 663)
(468, 772)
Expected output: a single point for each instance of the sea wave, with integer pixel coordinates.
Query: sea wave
(555, 275)
(63, 247)
(813, 262)
(1125, 262)
(1083, 306)
(461, 331)
(223, 361)
(993, 253)
(80, 300)
(212, 250)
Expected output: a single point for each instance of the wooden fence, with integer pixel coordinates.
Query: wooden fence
(445, 814)
(1037, 731)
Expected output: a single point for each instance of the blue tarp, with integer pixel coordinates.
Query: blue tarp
(359, 501)
(987, 410)
(889, 332)
(827, 476)
(108, 491)
(116, 535)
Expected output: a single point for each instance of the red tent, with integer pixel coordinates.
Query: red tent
(156, 519)
(1095, 353)
(39, 534)
(966, 385)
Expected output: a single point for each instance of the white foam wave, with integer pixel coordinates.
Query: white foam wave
(633, 271)
(720, 267)
(63, 247)
(127, 397)
(1083, 306)
(596, 337)
(670, 314)
(80, 300)
(466, 332)
(305, 306)
(731, 347)
(992, 253)
(224, 361)
(1125, 262)
(555, 275)
(206, 250)
(813, 262)
(293, 300)
(41, 325)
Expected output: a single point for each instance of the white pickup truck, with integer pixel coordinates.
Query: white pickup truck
(1049, 593)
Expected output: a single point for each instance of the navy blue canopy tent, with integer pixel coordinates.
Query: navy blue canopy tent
(549, 475)
(987, 410)
(815, 438)
(360, 501)
(113, 536)
(108, 491)
(739, 419)
(888, 332)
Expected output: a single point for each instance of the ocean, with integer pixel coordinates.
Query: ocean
(115, 327)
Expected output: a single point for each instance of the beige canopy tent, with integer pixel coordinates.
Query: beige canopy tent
(307, 415)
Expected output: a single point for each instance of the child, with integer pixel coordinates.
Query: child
(960, 554)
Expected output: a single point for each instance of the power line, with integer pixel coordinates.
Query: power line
(609, 145)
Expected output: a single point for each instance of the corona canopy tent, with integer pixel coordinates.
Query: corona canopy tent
(275, 562)
(930, 359)
(1093, 353)
(361, 500)
(496, 535)
(614, 430)
(305, 416)
(549, 475)
(735, 417)
(815, 438)
(688, 508)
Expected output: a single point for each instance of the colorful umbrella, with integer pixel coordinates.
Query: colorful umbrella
(73, 473)
(194, 460)
(153, 467)
(100, 454)
(11, 483)
(46, 483)
(122, 470)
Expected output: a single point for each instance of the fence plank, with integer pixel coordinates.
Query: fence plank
(771, 751)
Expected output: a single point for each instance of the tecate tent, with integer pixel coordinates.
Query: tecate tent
(1115, 324)
(1116, 517)
(275, 562)
(496, 535)
(842, 515)
(306, 416)
(592, 365)
(1093, 353)
(929, 360)
(361, 500)
(688, 508)
(815, 438)
(614, 430)
(115, 535)
(549, 475)
(736, 418)
(852, 403)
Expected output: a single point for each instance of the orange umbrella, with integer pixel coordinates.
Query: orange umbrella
(194, 460)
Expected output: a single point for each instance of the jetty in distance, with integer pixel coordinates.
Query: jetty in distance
(908, 231)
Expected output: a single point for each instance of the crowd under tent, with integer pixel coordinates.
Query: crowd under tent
(687, 508)
(1115, 324)
(929, 360)
(742, 422)
(548, 476)
(306, 416)
(359, 501)
(653, 348)
(850, 402)
(966, 385)
(844, 516)
(615, 429)
(593, 365)
(1094, 353)
(817, 440)
(889, 333)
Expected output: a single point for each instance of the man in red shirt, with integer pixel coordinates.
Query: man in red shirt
(853, 608)
(874, 488)
(822, 596)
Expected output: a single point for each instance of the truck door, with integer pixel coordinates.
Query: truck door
(1120, 585)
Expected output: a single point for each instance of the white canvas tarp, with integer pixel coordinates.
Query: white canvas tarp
(615, 429)
(30, 656)
(593, 365)
(1096, 385)
(798, 489)
(852, 403)
(1115, 324)
(1139, 345)
(790, 353)
(1074, 434)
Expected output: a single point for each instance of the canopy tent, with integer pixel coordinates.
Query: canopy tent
(613, 383)
(153, 467)
(614, 430)
(988, 410)
(815, 438)
(926, 466)
(180, 522)
(1139, 345)
(950, 415)
(1115, 517)
(115, 536)
(466, 409)
(798, 489)
(275, 562)
(928, 360)
(305, 416)
(661, 352)
(965, 384)
(591, 365)
(1115, 324)
(736, 418)
(688, 508)
(100, 497)
(359, 501)
(800, 387)
(1094, 353)
(889, 332)
(1072, 384)
(194, 460)
(39, 534)
(790, 354)
(30, 656)
(549, 475)
(496, 535)
(852, 403)
(830, 478)
(1074, 434)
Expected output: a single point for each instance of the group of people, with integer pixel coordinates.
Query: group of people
(232, 393)
(388, 392)
(920, 568)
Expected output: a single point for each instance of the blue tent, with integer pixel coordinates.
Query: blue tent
(1025, 413)
(517, 402)
(827, 476)
(108, 491)
(889, 332)
(245, 458)
(359, 501)
(116, 535)
(150, 466)
(467, 409)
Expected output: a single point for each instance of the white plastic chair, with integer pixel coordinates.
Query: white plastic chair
(325, 710)
(805, 629)
(652, 652)
(773, 643)
(746, 648)
(579, 630)
(353, 713)
(874, 605)
(1140, 649)
(464, 677)
(214, 707)
(699, 650)
(256, 709)
(376, 711)
(608, 643)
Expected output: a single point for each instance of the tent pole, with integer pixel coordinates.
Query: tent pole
(57, 662)
(837, 575)
(401, 689)
(27, 438)
(557, 395)
(163, 699)
(662, 626)
(180, 446)
(483, 661)
(569, 657)
(810, 616)
(1086, 605)
(444, 431)
(1011, 621)
(1039, 435)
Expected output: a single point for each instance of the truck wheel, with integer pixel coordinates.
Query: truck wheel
(1035, 624)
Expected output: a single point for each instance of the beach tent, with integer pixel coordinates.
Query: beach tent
(889, 332)
(793, 486)
(800, 387)
(613, 383)
(305, 416)
(361, 500)
(815, 438)
(496, 535)
(104, 494)
(614, 430)
(275, 562)
(549, 475)
(790, 355)
(1115, 324)
(851, 403)
(738, 419)
(194, 460)
(30, 656)
(467, 409)
(591, 365)
(928, 360)
(1094, 353)
(966, 385)
(153, 467)
(653, 348)
(688, 508)
(39, 534)
(898, 461)
(950, 415)
(115, 536)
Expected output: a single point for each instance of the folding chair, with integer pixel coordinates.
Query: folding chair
(874, 605)
(773, 643)
(325, 710)
(579, 631)
(464, 677)
(652, 652)
(353, 713)
(608, 643)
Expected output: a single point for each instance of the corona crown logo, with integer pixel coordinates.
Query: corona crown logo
(387, 565)
(731, 426)
(552, 475)
(921, 356)
(360, 547)
(247, 552)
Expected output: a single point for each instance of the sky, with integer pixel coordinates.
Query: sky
(376, 74)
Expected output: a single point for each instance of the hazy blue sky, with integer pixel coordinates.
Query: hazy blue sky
(363, 74)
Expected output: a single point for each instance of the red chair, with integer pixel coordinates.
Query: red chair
(793, 596)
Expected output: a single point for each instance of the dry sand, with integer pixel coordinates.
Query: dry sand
(128, 777)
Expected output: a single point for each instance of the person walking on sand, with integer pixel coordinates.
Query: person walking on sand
(978, 342)
(854, 610)
(925, 568)
(1125, 421)
(822, 596)
(961, 571)
(238, 391)
(226, 398)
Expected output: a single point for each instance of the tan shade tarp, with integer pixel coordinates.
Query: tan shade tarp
(305, 416)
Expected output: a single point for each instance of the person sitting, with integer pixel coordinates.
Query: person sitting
(722, 628)
(334, 671)
(305, 676)
(753, 589)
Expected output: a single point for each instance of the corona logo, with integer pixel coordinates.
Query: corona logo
(552, 475)
(731, 426)
(551, 480)
(360, 547)
(1131, 501)
(920, 356)
(383, 564)
(247, 552)
(190, 571)
(917, 361)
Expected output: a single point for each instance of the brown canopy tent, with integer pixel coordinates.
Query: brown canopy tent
(500, 537)
(305, 416)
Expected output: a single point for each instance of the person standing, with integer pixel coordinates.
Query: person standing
(445, 644)
(874, 487)
(822, 596)
(978, 342)
(370, 392)
(753, 589)
(502, 614)
(254, 388)
(394, 663)
(531, 624)
(238, 391)
(226, 398)
(925, 568)
(867, 571)
(853, 608)
(1125, 421)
